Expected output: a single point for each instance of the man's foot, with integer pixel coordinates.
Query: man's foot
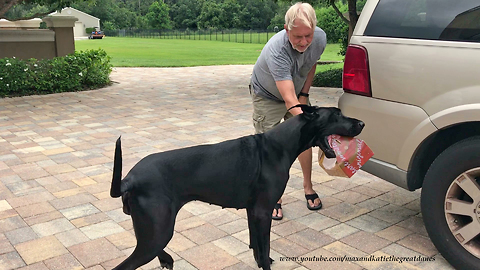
(277, 212)
(313, 201)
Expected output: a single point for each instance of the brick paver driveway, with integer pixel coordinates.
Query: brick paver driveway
(56, 156)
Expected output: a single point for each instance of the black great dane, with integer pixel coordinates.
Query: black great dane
(249, 172)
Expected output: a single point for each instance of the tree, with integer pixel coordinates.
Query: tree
(124, 18)
(104, 10)
(158, 17)
(49, 7)
(24, 11)
(240, 14)
(353, 13)
(210, 16)
(184, 13)
(229, 16)
(256, 14)
(278, 20)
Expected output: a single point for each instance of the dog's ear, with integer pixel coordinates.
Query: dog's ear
(309, 112)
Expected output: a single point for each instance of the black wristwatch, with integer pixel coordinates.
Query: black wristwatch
(303, 94)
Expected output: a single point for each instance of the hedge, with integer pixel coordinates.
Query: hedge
(329, 78)
(75, 72)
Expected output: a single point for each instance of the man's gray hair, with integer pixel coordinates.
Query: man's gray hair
(304, 12)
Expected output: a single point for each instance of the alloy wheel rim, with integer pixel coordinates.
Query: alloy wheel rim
(462, 210)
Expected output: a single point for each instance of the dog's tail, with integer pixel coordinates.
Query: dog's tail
(115, 189)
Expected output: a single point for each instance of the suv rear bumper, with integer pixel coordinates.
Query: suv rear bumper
(387, 171)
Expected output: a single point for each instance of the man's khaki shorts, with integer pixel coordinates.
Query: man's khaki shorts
(268, 113)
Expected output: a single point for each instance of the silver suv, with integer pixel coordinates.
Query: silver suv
(412, 74)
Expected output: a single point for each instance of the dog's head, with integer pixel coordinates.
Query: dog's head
(329, 121)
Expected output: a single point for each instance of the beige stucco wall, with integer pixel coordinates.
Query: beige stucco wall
(26, 44)
(25, 24)
(58, 40)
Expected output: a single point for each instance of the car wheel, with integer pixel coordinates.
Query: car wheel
(450, 203)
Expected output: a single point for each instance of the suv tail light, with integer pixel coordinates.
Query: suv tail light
(356, 75)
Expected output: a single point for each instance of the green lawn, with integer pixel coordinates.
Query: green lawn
(321, 68)
(145, 52)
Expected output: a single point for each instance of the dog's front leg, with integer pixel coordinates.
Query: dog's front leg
(261, 220)
(253, 234)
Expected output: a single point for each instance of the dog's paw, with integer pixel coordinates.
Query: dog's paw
(167, 265)
(260, 265)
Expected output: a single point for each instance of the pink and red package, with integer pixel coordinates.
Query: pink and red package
(351, 154)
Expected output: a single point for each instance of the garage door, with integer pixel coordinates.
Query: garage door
(79, 30)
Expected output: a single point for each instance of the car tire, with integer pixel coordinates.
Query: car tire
(450, 214)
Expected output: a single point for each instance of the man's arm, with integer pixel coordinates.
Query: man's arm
(287, 90)
(308, 82)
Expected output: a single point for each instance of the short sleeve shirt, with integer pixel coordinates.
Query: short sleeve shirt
(279, 61)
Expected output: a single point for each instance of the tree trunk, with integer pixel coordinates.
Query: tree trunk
(353, 17)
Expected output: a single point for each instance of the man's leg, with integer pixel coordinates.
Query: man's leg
(305, 159)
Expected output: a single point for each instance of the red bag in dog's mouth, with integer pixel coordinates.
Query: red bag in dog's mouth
(351, 154)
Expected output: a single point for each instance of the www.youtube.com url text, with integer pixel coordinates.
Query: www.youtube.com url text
(370, 258)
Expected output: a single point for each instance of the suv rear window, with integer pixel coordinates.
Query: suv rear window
(455, 20)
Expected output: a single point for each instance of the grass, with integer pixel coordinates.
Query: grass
(146, 52)
(330, 54)
(321, 68)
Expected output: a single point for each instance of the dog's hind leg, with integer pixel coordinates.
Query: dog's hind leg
(153, 224)
(166, 261)
(138, 258)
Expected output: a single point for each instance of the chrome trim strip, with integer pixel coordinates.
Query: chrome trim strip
(387, 171)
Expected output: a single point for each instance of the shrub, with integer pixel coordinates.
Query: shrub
(78, 71)
(89, 30)
(97, 68)
(329, 78)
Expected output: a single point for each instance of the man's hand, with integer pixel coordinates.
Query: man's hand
(296, 111)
